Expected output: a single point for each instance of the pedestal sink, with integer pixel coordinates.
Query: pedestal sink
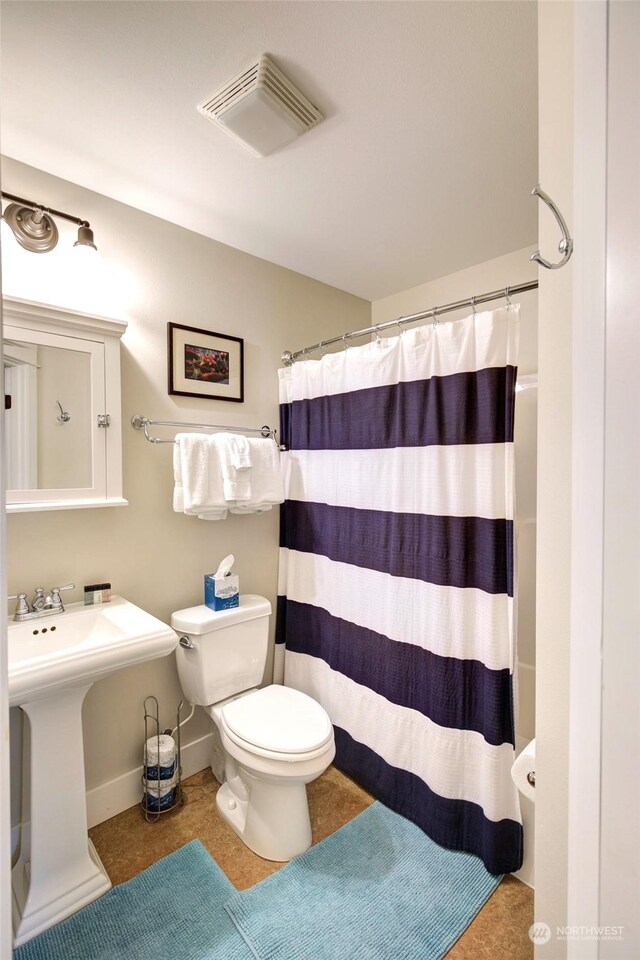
(53, 662)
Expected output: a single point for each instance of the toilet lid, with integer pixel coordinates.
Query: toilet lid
(278, 718)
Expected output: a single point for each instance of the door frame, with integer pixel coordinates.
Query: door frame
(588, 455)
(604, 732)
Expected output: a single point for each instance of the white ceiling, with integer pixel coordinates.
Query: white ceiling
(423, 166)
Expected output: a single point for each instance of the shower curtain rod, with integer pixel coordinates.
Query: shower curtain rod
(289, 358)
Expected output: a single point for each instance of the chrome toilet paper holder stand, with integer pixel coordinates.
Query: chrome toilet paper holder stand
(151, 729)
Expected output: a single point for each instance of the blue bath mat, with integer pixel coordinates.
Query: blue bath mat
(172, 911)
(376, 889)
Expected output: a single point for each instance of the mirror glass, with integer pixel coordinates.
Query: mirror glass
(48, 425)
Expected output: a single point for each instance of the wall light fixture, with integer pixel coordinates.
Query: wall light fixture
(35, 229)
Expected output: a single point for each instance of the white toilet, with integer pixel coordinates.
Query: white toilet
(275, 739)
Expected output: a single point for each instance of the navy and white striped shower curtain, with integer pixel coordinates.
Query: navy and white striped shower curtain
(396, 571)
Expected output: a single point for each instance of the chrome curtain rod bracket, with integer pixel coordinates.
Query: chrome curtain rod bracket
(288, 358)
(565, 247)
(138, 422)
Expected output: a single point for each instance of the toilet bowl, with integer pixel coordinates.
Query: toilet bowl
(275, 739)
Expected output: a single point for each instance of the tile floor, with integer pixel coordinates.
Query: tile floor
(128, 845)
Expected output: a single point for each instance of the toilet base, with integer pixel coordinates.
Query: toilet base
(271, 817)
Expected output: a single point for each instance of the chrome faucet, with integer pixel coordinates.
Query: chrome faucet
(38, 602)
(42, 605)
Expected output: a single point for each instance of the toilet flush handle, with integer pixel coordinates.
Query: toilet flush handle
(187, 643)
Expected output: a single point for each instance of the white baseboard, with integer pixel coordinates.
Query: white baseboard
(117, 795)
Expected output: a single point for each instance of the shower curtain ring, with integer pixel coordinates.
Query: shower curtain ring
(376, 330)
(434, 314)
(507, 296)
(473, 305)
(320, 346)
(400, 330)
(344, 340)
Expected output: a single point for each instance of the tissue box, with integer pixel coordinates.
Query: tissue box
(221, 593)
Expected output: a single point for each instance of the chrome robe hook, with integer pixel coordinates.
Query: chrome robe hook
(565, 246)
(64, 417)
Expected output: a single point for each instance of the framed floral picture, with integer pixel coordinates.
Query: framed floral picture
(205, 364)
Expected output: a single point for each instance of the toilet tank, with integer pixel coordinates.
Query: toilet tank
(222, 652)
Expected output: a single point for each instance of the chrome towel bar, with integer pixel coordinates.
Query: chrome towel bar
(138, 422)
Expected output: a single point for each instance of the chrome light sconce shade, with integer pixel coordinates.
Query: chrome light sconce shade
(34, 226)
(85, 236)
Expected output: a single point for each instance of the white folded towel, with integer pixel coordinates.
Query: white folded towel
(266, 478)
(178, 489)
(234, 457)
(198, 487)
(215, 474)
(211, 514)
(239, 449)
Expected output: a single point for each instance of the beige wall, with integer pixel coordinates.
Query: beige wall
(154, 272)
(555, 52)
(493, 275)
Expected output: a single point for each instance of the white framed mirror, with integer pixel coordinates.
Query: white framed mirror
(63, 411)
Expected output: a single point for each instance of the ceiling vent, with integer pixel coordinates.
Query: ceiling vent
(261, 108)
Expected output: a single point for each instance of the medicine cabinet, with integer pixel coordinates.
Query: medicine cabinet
(63, 423)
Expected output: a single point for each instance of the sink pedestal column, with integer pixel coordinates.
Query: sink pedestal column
(58, 871)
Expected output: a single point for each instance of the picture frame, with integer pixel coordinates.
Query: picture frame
(206, 364)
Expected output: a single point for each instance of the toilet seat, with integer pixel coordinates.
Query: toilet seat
(279, 723)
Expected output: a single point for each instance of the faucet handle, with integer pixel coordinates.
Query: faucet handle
(22, 606)
(56, 599)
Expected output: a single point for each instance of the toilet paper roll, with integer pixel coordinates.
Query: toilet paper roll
(151, 801)
(525, 766)
(160, 773)
(160, 750)
(155, 788)
(162, 747)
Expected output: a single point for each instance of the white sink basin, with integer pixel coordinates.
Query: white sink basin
(53, 661)
(81, 645)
